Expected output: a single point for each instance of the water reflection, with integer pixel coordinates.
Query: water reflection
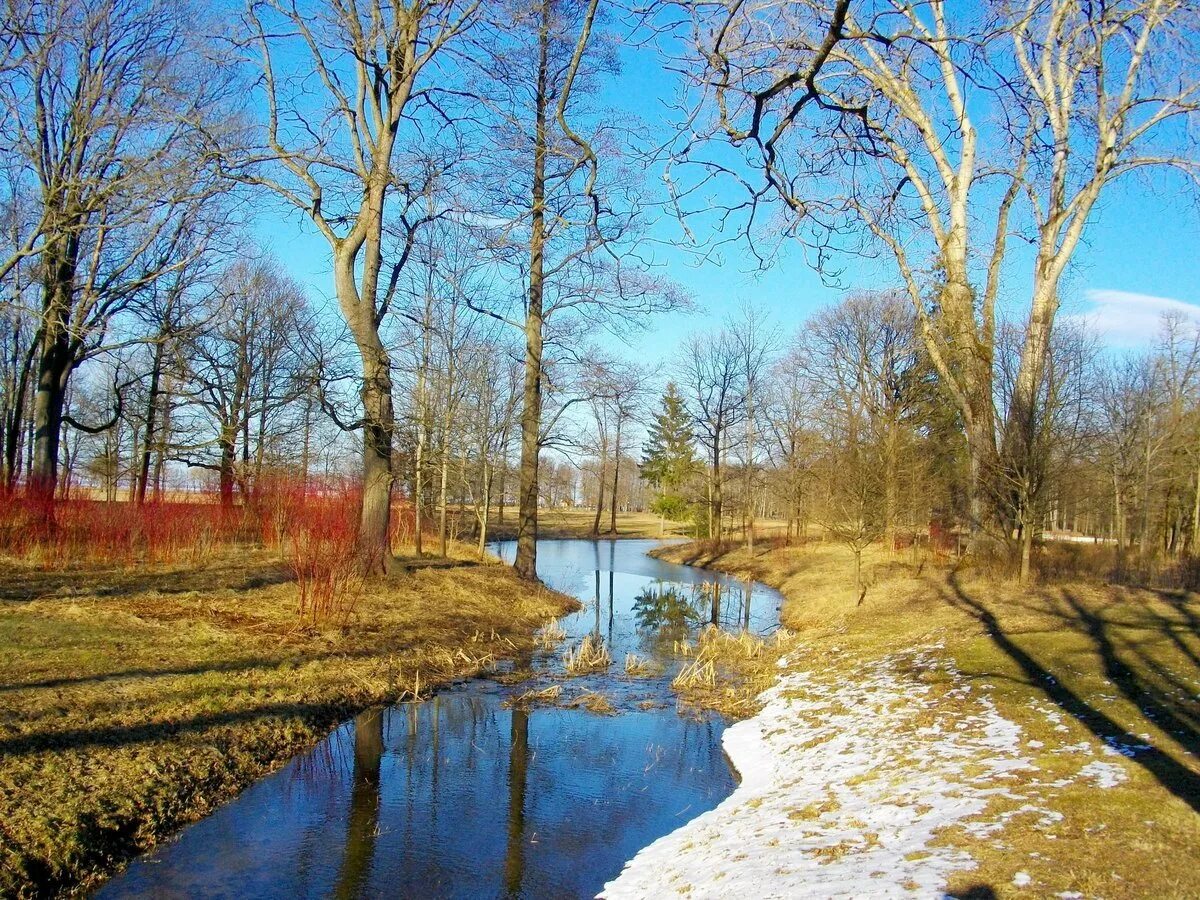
(411, 801)
(518, 760)
(363, 820)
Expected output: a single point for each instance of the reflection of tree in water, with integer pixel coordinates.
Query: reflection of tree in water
(518, 763)
(672, 608)
(363, 822)
(667, 608)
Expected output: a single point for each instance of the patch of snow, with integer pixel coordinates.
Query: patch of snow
(1105, 775)
(839, 796)
(1022, 879)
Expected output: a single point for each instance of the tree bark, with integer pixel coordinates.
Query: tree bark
(54, 364)
(531, 413)
(374, 540)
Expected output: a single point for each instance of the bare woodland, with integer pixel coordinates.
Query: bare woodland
(490, 230)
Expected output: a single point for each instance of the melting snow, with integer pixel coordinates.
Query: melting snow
(1105, 775)
(841, 794)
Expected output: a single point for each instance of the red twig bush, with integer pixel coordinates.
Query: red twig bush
(321, 539)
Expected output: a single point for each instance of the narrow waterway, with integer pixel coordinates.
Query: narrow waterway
(470, 795)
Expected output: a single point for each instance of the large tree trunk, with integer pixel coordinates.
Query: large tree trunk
(374, 523)
(60, 260)
(531, 413)
(225, 467)
(378, 424)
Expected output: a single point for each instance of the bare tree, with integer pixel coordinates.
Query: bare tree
(713, 379)
(335, 154)
(884, 103)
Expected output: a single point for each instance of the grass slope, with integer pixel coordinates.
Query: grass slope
(1103, 680)
(134, 701)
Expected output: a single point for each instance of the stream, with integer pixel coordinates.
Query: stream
(465, 795)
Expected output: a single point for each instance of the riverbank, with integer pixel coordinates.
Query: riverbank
(134, 701)
(564, 524)
(953, 733)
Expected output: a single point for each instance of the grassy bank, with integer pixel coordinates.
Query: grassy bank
(1102, 679)
(134, 701)
(577, 523)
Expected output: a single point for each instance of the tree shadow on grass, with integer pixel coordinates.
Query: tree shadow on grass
(67, 584)
(1126, 663)
(166, 730)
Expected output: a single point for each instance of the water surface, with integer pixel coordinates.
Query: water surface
(463, 796)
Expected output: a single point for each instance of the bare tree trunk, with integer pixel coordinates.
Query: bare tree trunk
(378, 425)
(422, 429)
(225, 470)
(143, 474)
(612, 503)
(488, 473)
(531, 413)
(15, 424)
(500, 492)
(600, 491)
(749, 479)
(443, 489)
(715, 527)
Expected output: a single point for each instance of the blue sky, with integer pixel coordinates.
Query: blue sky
(1139, 258)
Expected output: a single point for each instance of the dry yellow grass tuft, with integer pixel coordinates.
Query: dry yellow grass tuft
(636, 667)
(550, 635)
(591, 655)
(593, 701)
(543, 697)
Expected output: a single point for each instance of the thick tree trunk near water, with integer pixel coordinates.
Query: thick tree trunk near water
(378, 422)
(378, 427)
(531, 412)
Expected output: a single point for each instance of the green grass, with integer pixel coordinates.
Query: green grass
(1078, 664)
(134, 702)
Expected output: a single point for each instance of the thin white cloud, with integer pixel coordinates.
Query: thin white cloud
(1129, 320)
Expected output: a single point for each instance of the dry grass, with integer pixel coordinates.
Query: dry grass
(135, 700)
(543, 697)
(636, 667)
(577, 523)
(593, 701)
(727, 671)
(1078, 663)
(589, 656)
(550, 635)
